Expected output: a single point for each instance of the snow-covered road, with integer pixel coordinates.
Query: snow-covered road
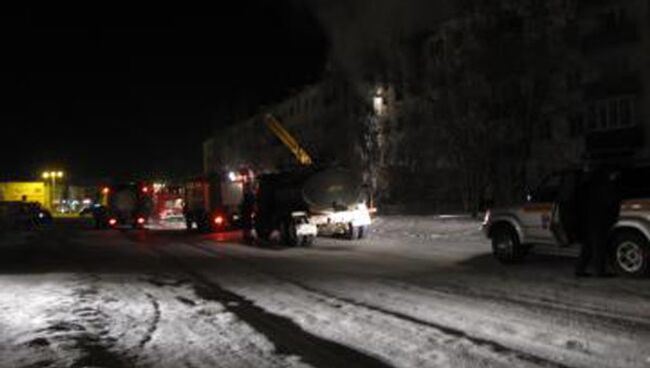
(418, 292)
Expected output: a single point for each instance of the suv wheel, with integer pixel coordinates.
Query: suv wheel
(631, 254)
(505, 245)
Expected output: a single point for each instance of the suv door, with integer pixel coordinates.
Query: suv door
(537, 211)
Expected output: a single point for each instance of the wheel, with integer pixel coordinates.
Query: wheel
(289, 235)
(505, 245)
(202, 226)
(630, 254)
(353, 232)
(307, 241)
(363, 232)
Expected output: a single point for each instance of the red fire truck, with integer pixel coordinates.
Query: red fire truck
(212, 203)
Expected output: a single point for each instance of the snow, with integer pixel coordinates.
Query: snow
(419, 291)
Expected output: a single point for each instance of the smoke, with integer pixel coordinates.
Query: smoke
(361, 30)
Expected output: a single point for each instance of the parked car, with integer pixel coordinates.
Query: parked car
(515, 230)
(18, 215)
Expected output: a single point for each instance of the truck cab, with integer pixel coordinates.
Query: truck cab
(125, 204)
(211, 203)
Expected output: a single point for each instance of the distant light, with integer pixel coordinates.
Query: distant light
(59, 174)
(145, 189)
(46, 175)
(232, 176)
(141, 220)
(112, 222)
(106, 190)
(378, 104)
(41, 215)
(87, 201)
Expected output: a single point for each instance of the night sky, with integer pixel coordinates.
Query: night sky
(116, 93)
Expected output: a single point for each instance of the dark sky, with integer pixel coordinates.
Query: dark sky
(104, 92)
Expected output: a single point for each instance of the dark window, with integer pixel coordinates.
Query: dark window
(576, 127)
(545, 132)
(625, 109)
(591, 118)
(398, 92)
(580, 124)
(547, 190)
(635, 183)
(602, 116)
(613, 114)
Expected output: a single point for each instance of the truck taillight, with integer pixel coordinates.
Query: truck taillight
(112, 222)
(218, 220)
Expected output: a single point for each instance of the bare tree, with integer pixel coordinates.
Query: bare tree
(500, 71)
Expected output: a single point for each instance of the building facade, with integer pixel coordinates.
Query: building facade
(473, 109)
(614, 77)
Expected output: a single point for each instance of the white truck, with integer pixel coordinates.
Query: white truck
(303, 204)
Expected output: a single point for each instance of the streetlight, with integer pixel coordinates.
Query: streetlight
(52, 176)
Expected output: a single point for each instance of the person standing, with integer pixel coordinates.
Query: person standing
(248, 213)
(598, 208)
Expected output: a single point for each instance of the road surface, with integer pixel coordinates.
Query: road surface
(418, 292)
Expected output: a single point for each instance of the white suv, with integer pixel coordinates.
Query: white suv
(515, 230)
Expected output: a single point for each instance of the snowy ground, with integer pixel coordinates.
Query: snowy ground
(419, 292)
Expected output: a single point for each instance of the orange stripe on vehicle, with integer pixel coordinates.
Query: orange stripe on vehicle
(636, 205)
(541, 207)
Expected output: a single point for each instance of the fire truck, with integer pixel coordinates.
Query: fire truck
(211, 203)
(168, 201)
(126, 204)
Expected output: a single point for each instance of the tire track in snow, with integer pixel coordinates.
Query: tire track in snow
(288, 337)
(540, 303)
(153, 325)
(82, 329)
(455, 334)
(85, 331)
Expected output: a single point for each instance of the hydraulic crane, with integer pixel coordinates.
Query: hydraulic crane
(288, 140)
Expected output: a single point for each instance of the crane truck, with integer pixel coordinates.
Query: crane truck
(303, 203)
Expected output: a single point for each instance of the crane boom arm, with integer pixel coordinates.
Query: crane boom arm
(288, 140)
